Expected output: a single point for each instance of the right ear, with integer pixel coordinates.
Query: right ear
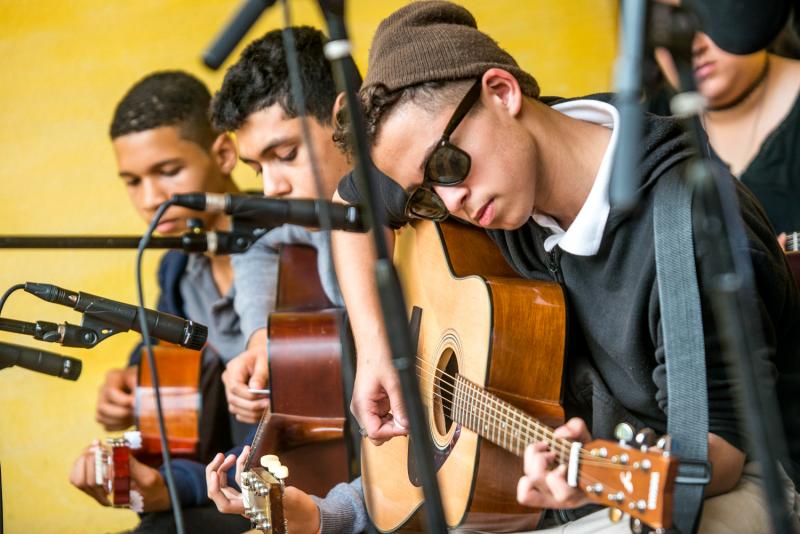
(224, 153)
(339, 116)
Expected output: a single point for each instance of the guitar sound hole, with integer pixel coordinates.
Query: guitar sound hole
(446, 372)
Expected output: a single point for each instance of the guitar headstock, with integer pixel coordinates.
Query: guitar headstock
(262, 493)
(112, 470)
(636, 478)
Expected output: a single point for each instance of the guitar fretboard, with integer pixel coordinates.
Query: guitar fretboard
(501, 423)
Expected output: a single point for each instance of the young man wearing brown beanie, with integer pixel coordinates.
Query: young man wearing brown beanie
(535, 174)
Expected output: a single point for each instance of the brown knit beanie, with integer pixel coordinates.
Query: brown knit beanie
(436, 41)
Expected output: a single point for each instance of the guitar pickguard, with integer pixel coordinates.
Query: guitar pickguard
(439, 457)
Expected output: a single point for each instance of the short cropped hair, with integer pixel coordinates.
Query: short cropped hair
(261, 78)
(168, 98)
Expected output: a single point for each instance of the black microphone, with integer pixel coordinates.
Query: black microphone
(231, 34)
(40, 361)
(275, 211)
(121, 317)
(65, 334)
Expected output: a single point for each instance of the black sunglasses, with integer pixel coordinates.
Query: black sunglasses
(446, 165)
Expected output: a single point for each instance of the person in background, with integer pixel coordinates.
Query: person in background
(256, 104)
(164, 144)
(752, 118)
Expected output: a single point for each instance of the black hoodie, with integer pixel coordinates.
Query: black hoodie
(615, 364)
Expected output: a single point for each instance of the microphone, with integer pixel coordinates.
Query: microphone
(275, 211)
(67, 335)
(123, 317)
(40, 361)
(231, 34)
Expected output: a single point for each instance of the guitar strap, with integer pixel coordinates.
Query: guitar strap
(681, 324)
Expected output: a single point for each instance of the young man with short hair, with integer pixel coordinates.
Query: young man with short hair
(534, 173)
(256, 104)
(164, 144)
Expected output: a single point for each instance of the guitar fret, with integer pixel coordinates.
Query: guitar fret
(472, 414)
(521, 440)
(461, 409)
(504, 413)
(456, 409)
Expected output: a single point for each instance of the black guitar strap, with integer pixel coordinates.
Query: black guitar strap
(681, 323)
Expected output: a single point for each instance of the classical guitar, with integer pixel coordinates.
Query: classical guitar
(263, 487)
(179, 378)
(490, 358)
(306, 336)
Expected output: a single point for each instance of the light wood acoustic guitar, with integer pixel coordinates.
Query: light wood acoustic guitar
(490, 359)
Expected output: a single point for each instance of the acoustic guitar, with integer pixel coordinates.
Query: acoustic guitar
(306, 422)
(490, 359)
(179, 379)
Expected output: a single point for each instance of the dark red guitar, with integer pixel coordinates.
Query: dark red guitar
(306, 426)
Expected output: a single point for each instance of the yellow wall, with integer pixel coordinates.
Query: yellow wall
(64, 65)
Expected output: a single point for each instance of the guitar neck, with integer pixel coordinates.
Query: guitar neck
(501, 423)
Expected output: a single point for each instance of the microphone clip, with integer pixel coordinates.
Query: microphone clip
(68, 335)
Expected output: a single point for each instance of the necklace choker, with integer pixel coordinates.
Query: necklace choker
(747, 92)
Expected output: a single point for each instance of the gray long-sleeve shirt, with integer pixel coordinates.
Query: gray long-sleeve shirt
(256, 273)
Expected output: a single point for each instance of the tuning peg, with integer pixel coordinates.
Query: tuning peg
(624, 433)
(637, 527)
(646, 438)
(281, 472)
(665, 443)
(268, 459)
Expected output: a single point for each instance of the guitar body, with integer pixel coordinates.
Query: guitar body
(481, 320)
(307, 420)
(179, 385)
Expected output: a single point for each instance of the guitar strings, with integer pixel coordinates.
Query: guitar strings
(584, 477)
(537, 433)
(539, 429)
(521, 440)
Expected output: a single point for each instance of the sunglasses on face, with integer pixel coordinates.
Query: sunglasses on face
(446, 165)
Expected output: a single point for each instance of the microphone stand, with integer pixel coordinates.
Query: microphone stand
(728, 270)
(192, 241)
(337, 50)
(348, 364)
(622, 191)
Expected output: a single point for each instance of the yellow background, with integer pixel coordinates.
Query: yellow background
(64, 65)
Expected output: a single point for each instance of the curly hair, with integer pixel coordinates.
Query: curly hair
(167, 98)
(261, 78)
